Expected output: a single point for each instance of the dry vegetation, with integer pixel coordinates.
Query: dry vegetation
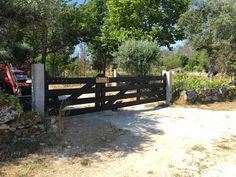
(218, 106)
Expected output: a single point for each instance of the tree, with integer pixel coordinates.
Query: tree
(16, 17)
(174, 61)
(153, 20)
(141, 20)
(211, 25)
(198, 61)
(57, 32)
(137, 57)
(101, 48)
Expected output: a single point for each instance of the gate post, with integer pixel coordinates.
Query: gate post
(38, 88)
(168, 86)
(114, 73)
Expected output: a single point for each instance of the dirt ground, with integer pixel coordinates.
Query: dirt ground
(139, 141)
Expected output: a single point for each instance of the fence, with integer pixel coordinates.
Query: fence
(86, 95)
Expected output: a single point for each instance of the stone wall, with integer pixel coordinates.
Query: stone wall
(15, 126)
(209, 95)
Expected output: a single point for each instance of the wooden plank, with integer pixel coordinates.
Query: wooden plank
(132, 103)
(120, 93)
(60, 92)
(83, 89)
(133, 87)
(71, 102)
(133, 95)
(87, 80)
(101, 80)
(136, 79)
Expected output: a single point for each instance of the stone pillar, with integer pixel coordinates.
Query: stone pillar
(38, 88)
(168, 86)
(114, 74)
(114, 69)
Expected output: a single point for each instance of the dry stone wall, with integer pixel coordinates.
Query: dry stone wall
(14, 127)
(209, 95)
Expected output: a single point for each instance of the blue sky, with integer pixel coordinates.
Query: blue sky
(79, 1)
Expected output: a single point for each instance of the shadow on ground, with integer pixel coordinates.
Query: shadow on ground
(118, 132)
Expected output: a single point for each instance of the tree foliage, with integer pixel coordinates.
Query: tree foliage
(211, 25)
(143, 19)
(137, 57)
(16, 17)
(140, 20)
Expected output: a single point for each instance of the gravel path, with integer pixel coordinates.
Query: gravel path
(144, 141)
(165, 142)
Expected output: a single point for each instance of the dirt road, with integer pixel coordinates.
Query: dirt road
(139, 141)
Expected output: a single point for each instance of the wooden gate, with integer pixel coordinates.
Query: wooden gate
(85, 95)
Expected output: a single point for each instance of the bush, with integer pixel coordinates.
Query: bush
(183, 81)
(171, 62)
(137, 57)
(198, 61)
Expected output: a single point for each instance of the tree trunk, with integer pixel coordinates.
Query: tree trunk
(104, 65)
(53, 65)
(44, 45)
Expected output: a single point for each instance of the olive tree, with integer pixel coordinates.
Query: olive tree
(137, 56)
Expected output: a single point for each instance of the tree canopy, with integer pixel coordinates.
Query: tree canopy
(131, 19)
(137, 57)
(211, 25)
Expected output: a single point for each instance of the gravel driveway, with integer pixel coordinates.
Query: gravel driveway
(143, 141)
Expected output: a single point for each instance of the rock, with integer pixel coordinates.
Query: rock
(26, 120)
(191, 96)
(12, 129)
(109, 140)
(36, 129)
(223, 91)
(7, 114)
(4, 127)
(183, 95)
(53, 120)
(21, 132)
(205, 92)
(42, 144)
(103, 138)
(5, 136)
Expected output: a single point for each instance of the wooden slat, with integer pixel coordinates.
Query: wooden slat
(88, 80)
(136, 79)
(60, 92)
(132, 95)
(133, 87)
(71, 102)
(78, 94)
(132, 103)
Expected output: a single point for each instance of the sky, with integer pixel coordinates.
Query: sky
(79, 1)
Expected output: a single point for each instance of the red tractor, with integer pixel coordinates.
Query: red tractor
(15, 81)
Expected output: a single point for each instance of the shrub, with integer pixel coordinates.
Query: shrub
(171, 62)
(137, 57)
(183, 81)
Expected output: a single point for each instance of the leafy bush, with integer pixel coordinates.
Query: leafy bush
(137, 57)
(171, 62)
(183, 81)
(198, 61)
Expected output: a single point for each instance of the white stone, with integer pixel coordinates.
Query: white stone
(4, 127)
